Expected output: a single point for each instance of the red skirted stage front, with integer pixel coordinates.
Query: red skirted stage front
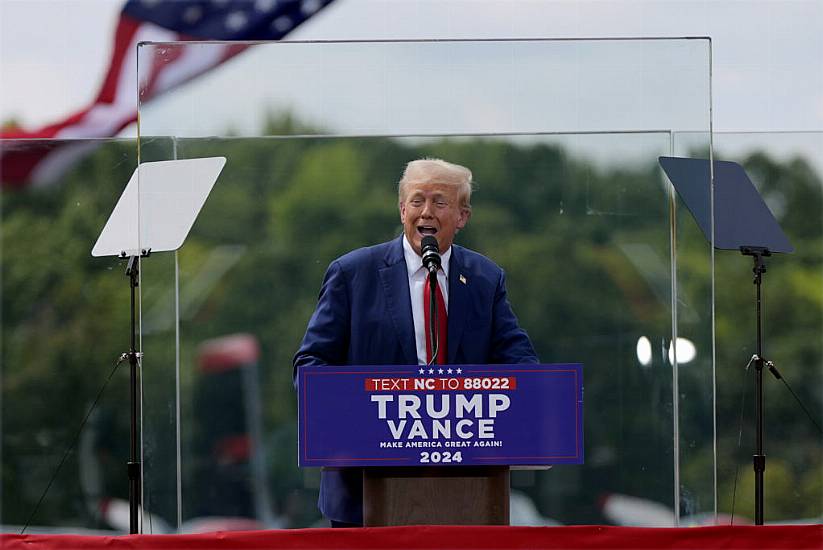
(795, 537)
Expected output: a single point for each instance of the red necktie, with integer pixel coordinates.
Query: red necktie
(442, 324)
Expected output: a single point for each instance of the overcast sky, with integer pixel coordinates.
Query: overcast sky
(767, 70)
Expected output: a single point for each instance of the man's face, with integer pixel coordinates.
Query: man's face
(432, 209)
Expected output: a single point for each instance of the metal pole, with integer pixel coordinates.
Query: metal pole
(133, 466)
(759, 458)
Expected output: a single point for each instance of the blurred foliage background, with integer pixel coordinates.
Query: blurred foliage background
(587, 247)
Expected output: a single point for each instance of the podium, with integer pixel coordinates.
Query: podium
(437, 448)
(470, 495)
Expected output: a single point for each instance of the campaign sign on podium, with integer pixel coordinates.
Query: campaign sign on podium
(454, 415)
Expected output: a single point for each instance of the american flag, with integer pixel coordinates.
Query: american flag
(115, 106)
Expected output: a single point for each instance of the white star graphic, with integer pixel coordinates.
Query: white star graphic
(431, 371)
(265, 5)
(439, 371)
(192, 14)
(236, 20)
(308, 7)
(459, 371)
(282, 23)
(422, 371)
(449, 371)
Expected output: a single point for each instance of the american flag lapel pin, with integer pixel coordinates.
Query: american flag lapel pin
(463, 279)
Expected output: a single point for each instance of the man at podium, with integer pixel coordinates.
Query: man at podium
(374, 303)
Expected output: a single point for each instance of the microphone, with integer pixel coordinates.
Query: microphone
(431, 253)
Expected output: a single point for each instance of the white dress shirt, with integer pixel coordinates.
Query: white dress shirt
(417, 282)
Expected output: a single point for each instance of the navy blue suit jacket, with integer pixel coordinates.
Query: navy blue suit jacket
(364, 317)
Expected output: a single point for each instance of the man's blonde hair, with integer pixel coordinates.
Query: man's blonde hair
(434, 170)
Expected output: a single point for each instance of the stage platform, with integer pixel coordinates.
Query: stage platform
(795, 537)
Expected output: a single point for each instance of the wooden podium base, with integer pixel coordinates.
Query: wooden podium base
(475, 495)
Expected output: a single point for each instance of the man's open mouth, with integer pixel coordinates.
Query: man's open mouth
(426, 229)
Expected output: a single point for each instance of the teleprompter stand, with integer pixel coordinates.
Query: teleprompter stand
(759, 459)
(742, 222)
(155, 213)
(133, 467)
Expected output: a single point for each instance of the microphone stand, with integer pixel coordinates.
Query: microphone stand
(133, 465)
(433, 324)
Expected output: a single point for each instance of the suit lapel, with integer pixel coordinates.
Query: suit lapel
(458, 303)
(395, 280)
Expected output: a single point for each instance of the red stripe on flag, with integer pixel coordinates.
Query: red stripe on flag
(123, 37)
(19, 159)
